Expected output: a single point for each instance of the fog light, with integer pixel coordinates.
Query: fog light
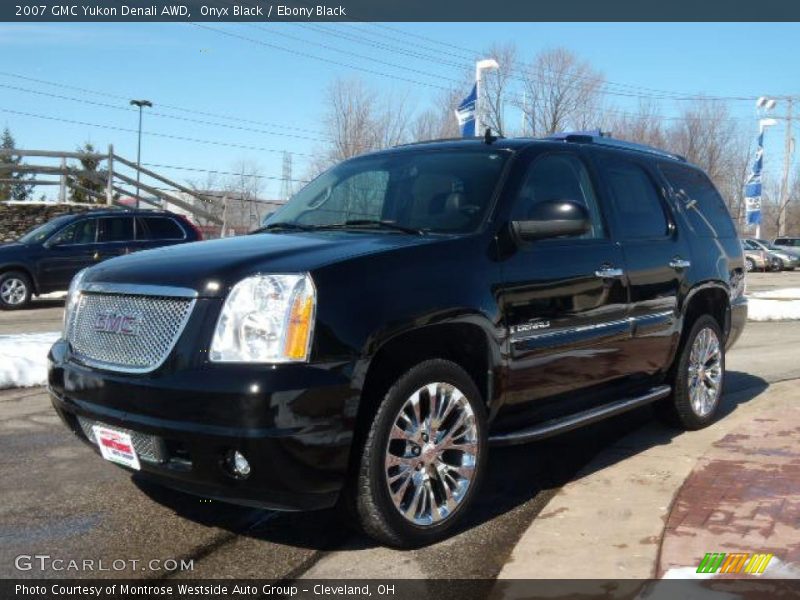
(237, 464)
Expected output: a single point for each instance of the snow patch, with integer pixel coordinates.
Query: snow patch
(23, 358)
(767, 309)
(779, 294)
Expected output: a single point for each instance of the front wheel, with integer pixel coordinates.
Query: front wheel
(698, 376)
(15, 290)
(423, 458)
(749, 265)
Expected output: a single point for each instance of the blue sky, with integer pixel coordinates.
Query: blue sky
(274, 87)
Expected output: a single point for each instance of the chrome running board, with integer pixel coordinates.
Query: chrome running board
(569, 422)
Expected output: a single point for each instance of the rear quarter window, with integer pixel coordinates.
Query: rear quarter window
(159, 228)
(701, 202)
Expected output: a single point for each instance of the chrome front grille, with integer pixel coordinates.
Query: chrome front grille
(148, 447)
(152, 327)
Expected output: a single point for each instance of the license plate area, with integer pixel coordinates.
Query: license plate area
(116, 446)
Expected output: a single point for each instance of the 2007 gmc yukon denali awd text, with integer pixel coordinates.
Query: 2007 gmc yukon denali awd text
(401, 314)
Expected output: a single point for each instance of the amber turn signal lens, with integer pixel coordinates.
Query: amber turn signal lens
(299, 328)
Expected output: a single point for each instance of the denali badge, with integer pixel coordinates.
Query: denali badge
(115, 322)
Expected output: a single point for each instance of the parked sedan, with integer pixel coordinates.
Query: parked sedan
(46, 258)
(788, 244)
(755, 259)
(783, 260)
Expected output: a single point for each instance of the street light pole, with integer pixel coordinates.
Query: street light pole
(141, 104)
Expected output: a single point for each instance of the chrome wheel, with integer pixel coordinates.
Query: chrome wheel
(431, 455)
(749, 265)
(13, 291)
(705, 372)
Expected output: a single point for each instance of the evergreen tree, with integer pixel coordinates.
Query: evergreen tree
(93, 180)
(13, 190)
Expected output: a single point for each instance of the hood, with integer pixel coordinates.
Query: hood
(229, 260)
(6, 246)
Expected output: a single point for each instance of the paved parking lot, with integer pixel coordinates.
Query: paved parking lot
(57, 497)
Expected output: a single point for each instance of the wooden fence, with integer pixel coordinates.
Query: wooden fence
(114, 183)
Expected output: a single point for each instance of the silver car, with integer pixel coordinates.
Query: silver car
(781, 259)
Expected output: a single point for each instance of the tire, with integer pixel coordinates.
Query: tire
(777, 265)
(15, 290)
(437, 504)
(694, 401)
(749, 265)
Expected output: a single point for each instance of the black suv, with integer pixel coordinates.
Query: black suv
(402, 313)
(46, 258)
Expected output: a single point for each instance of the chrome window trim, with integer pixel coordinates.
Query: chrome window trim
(133, 289)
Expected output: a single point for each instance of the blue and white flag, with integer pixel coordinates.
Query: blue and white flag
(465, 113)
(752, 187)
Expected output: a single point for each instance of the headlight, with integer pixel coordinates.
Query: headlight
(266, 319)
(73, 296)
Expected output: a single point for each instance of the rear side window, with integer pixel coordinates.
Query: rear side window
(115, 229)
(787, 242)
(637, 203)
(159, 228)
(702, 203)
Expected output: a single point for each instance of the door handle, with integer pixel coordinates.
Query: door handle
(606, 272)
(679, 263)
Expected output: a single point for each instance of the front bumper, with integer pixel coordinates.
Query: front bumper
(294, 424)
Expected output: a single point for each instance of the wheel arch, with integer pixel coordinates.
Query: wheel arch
(5, 268)
(711, 298)
(469, 341)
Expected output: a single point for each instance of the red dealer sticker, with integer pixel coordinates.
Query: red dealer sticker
(116, 446)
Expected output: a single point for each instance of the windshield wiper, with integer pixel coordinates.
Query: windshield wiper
(283, 225)
(375, 223)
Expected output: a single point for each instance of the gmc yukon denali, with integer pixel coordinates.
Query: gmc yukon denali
(403, 313)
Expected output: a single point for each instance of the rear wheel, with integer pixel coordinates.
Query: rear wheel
(15, 290)
(698, 376)
(423, 458)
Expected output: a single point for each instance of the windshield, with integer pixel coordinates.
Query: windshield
(42, 232)
(444, 191)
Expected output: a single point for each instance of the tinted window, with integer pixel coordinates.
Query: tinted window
(80, 232)
(158, 228)
(444, 190)
(637, 202)
(703, 205)
(115, 229)
(558, 177)
(42, 232)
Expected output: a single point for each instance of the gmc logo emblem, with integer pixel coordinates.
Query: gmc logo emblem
(116, 322)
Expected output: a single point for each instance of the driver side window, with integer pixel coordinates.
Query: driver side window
(82, 232)
(559, 177)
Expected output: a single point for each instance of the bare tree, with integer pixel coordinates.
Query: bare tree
(438, 121)
(561, 92)
(496, 84)
(350, 118)
(643, 126)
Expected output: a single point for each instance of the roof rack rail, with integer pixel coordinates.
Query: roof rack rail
(604, 139)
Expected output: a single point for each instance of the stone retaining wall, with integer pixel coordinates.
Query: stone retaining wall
(16, 219)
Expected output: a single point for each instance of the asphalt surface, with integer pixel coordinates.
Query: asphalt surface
(58, 498)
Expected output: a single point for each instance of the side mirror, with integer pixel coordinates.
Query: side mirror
(554, 218)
